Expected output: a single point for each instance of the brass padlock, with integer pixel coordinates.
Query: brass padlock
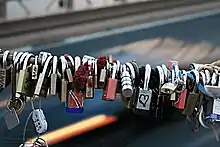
(24, 85)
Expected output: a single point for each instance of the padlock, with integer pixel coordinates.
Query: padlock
(143, 101)
(69, 68)
(24, 85)
(102, 78)
(90, 81)
(109, 93)
(181, 100)
(53, 77)
(5, 72)
(63, 94)
(75, 102)
(96, 74)
(126, 83)
(43, 80)
(35, 69)
(193, 97)
(77, 62)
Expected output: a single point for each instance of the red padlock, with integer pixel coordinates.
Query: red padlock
(180, 104)
(171, 63)
(109, 92)
(75, 102)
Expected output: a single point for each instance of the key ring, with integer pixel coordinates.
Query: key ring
(18, 105)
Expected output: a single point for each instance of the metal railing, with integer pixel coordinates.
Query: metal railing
(13, 9)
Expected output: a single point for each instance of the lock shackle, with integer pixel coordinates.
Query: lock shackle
(14, 55)
(176, 70)
(77, 62)
(5, 56)
(26, 61)
(118, 65)
(86, 58)
(23, 57)
(132, 71)
(196, 74)
(46, 64)
(165, 71)
(214, 77)
(114, 68)
(43, 56)
(36, 60)
(219, 80)
(208, 77)
(95, 66)
(63, 65)
(21, 60)
(17, 57)
(147, 76)
(184, 76)
(55, 60)
(161, 75)
(69, 58)
(203, 77)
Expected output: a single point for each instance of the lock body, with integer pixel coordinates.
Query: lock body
(109, 93)
(102, 79)
(25, 85)
(69, 75)
(180, 104)
(144, 99)
(53, 85)
(5, 77)
(63, 95)
(75, 102)
(89, 88)
(191, 102)
(44, 88)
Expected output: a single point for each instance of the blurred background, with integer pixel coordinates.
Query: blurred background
(148, 31)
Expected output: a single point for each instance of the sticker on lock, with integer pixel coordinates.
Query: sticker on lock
(144, 100)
